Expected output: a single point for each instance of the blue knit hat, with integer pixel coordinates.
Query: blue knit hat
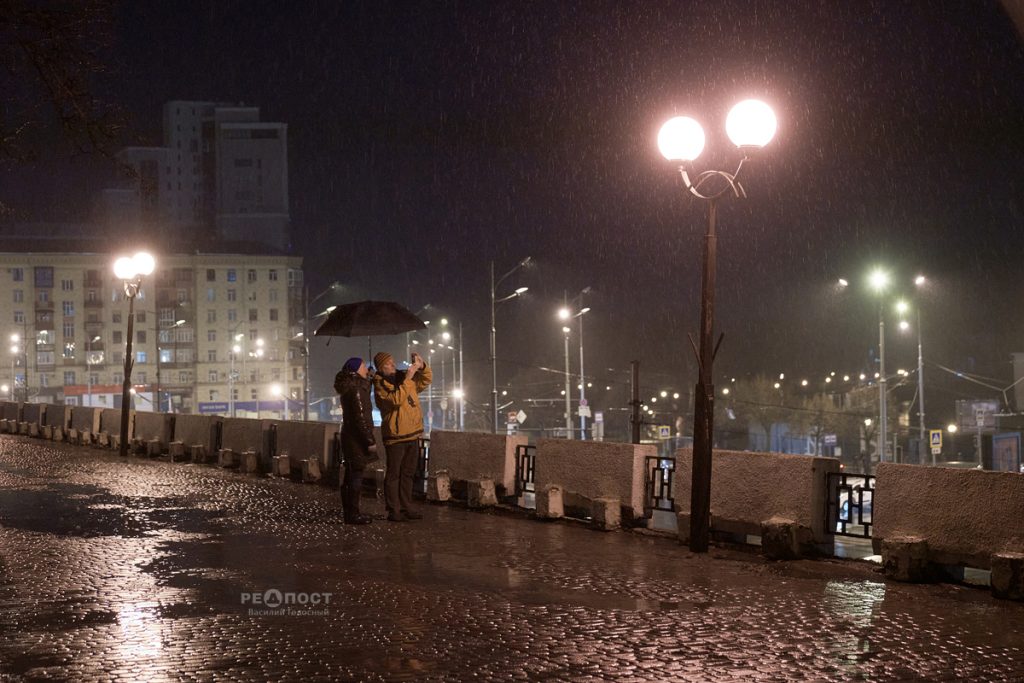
(352, 364)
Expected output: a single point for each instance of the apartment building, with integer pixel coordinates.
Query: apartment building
(212, 331)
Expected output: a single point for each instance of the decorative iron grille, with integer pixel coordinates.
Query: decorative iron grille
(658, 484)
(849, 504)
(422, 465)
(526, 459)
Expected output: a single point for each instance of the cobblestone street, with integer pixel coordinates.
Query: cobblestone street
(137, 570)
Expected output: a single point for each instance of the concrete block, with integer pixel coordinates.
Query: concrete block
(1008, 576)
(47, 432)
(33, 429)
(606, 514)
(72, 435)
(439, 487)
(103, 439)
(3, 426)
(480, 493)
(154, 448)
(780, 539)
(249, 462)
(176, 449)
(226, 458)
(86, 438)
(905, 558)
(197, 453)
(549, 502)
(311, 470)
(115, 441)
(58, 434)
(282, 465)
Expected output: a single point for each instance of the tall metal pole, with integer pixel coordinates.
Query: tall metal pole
(583, 381)
(703, 415)
(131, 289)
(444, 399)
(634, 402)
(305, 354)
(156, 307)
(922, 444)
(24, 330)
(494, 361)
(462, 389)
(568, 395)
(882, 425)
(231, 383)
(88, 377)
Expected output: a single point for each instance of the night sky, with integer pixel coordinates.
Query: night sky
(428, 138)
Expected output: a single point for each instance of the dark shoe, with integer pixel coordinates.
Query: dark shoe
(358, 519)
(396, 517)
(409, 514)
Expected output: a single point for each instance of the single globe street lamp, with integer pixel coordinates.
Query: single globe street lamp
(130, 271)
(750, 125)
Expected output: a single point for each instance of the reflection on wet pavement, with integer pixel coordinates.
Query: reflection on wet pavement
(114, 569)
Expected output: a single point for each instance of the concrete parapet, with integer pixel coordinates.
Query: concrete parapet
(198, 453)
(905, 558)
(1008, 576)
(282, 465)
(439, 487)
(480, 493)
(606, 514)
(226, 458)
(85, 419)
(57, 416)
(594, 469)
(202, 430)
(34, 413)
(549, 502)
(748, 489)
(249, 462)
(311, 470)
(154, 447)
(11, 410)
(110, 422)
(964, 515)
(150, 427)
(469, 456)
(304, 440)
(243, 434)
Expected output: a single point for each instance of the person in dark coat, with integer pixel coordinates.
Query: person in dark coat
(357, 442)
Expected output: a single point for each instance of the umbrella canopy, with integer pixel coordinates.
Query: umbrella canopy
(369, 319)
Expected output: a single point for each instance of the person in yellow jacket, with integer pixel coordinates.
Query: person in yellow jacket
(397, 396)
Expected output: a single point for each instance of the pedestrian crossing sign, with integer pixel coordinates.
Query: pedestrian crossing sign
(936, 440)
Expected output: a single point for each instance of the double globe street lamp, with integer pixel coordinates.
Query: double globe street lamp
(130, 271)
(750, 125)
(494, 353)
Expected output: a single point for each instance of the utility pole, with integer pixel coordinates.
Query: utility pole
(634, 402)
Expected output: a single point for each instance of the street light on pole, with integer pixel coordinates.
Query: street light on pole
(88, 374)
(566, 314)
(130, 271)
(750, 125)
(568, 398)
(494, 354)
(879, 280)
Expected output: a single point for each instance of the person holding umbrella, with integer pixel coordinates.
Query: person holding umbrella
(397, 396)
(357, 441)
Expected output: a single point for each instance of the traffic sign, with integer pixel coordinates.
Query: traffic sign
(830, 439)
(584, 410)
(935, 437)
(520, 417)
(664, 431)
(583, 403)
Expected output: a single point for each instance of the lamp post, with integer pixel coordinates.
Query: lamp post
(15, 350)
(130, 271)
(494, 354)
(566, 314)
(232, 378)
(568, 400)
(306, 303)
(750, 125)
(879, 280)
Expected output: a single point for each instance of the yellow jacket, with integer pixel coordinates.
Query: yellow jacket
(399, 406)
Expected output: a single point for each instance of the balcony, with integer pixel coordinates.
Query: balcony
(44, 305)
(96, 303)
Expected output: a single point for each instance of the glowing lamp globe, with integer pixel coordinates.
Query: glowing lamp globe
(144, 263)
(681, 139)
(124, 268)
(751, 123)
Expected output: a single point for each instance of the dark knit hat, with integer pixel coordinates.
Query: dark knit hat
(352, 364)
(381, 358)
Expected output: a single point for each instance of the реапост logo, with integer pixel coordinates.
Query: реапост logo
(276, 602)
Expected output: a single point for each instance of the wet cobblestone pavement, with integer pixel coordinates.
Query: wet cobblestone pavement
(135, 570)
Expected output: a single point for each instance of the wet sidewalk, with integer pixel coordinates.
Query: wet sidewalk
(147, 570)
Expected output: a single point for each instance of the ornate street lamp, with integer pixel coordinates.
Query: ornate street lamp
(750, 125)
(130, 271)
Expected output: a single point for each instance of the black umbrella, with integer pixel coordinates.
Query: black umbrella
(369, 319)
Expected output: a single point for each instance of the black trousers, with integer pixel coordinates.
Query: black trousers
(351, 487)
(401, 468)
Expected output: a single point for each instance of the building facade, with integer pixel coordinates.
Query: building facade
(213, 332)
